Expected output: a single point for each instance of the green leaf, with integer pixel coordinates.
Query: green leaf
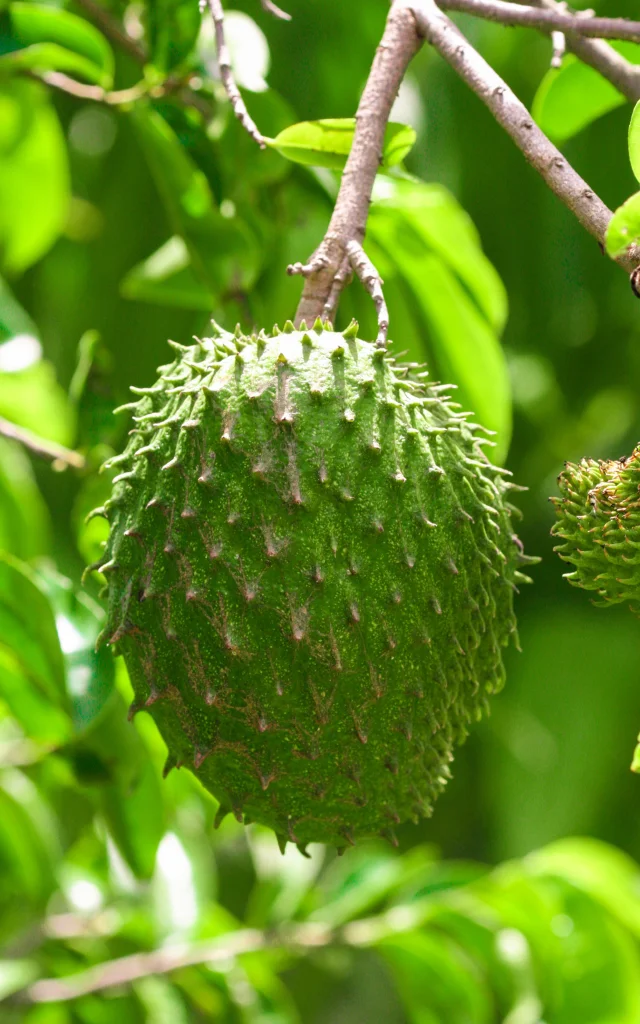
(24, 525)
(624, 227)
(34, 177)
(571, 97)
(16, 975)
(28, 630)
(166, 278)
(26, 853)
(35, 24)
(327, 143)
(174, 26)
(435, 214)
(136, 820)
(223, 251)
(437, 980)
(601, 871)
(462, 347)
(634, 141)
(32, 398)
(43, 57)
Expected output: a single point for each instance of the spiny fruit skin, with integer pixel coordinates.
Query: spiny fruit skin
(599, 525)
(311, 571)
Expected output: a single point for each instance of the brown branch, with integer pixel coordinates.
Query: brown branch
(277, 12)
(372, 281)
(599, 55)
(348, 224)
(226, 73)
(118, 97)
(113, 30)
(40, 446)
(581, 24)
(294, 938)
(514, 117)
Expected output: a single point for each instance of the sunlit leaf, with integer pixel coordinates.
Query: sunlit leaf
(624, 227)
(634, 141)
(24, 525)
(15, 975)
(28, 629)
(327, 143)
(571, 97)
(37, 24)
(34, 178)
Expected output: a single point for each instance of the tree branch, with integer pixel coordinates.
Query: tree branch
(277, 12)
(226, 73)
(514, 117)
(297, 937)
(348, 224)
(581, 23)
(599, 55)
(40, 446)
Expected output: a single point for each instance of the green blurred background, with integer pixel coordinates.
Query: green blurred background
(553, 759)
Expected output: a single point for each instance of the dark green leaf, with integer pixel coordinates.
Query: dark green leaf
(327, 143)
(173, 30)
(43, 24)
(166, 278)
(223, 252)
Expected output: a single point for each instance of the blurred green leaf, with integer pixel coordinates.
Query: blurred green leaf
(135, 818)
(43, 57)
(463, 348)
(37, 25)
(437, 980)
(601, 871)
(634, 141)
(24, 518)
(167, 279)
(15, 975)
(34, 178)
(437, 217)
(571, 97)
(32, 398)
(14, 320)
(223, 251)
(624, 227)
(327, 143)
(26, 863)
(28, 630)
(173, 30)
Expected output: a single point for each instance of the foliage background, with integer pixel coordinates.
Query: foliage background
(552, 761)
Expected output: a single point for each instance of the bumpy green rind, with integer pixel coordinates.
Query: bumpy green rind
(599, 526)
(311, 570)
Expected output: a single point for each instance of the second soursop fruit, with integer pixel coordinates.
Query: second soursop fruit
(311, 572)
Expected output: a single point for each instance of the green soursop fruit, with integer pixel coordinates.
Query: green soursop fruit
(311, 570)
(599, 526)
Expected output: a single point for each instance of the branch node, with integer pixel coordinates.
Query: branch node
(372, 281)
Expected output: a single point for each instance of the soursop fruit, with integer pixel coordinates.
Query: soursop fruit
(598, 523)
(311, 569)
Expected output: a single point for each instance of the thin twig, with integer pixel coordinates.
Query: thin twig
(581, 24)
(297, 937)
(119, 97)
(226, 73)
(514, 117)
(599, 55)
(399, 44)
(113, 30)
(40, 446)
(277, 12)
(372, 281)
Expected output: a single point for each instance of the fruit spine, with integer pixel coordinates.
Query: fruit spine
(311, 572)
